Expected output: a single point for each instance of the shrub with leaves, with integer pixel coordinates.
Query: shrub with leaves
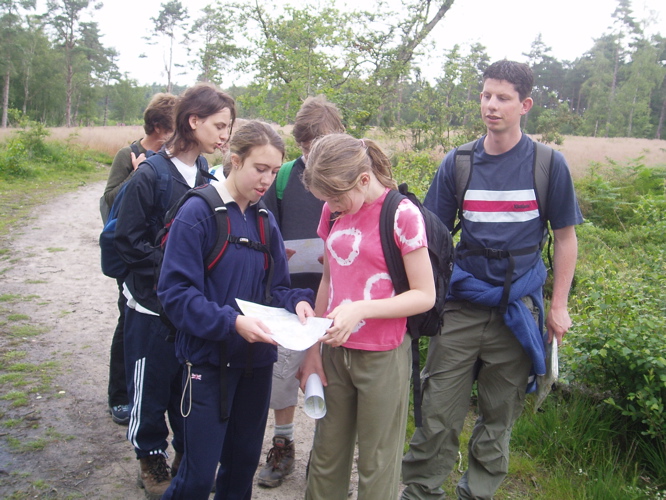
(619, 309)
(417, 169)
(28, 155)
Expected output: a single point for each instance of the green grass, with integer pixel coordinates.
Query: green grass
(17, 398)
(574, 448)
(26, 331)
(21, 446)
(11, 422)
(18, 317)
(13, 355)
(42, 170)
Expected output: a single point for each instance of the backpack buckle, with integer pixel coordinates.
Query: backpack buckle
(493, 253)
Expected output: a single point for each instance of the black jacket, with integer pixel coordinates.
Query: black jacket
(140, 219)
(297, 214)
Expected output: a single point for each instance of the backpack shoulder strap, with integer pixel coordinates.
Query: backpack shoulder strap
(210, 194)
(212, 198)
(463, 171)
(396, 268)
(161, 165)
(135, 149)
(265, 236)
(283, 178)
(394, 262)
(543, 163)
(115, 207)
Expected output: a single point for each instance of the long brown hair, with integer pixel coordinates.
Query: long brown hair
(201, 100)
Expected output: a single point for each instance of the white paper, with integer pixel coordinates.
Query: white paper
(545, 382)
(315, 405)
(306, 258)
(286, 328)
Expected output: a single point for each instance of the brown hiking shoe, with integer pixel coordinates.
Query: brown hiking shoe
(176, 463)
(279, 464)
(154, 476)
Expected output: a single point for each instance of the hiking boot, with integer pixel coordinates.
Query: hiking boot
(120, 414)
(154, 476)
(279, 464)
(176, 463)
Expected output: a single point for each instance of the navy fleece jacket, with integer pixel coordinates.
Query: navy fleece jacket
(203, 308)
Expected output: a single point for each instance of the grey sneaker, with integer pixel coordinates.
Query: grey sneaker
(120, 414)
(279, 464)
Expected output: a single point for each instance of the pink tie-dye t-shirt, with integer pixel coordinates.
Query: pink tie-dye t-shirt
(358, 269)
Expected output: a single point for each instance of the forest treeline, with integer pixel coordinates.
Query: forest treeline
(55, 70)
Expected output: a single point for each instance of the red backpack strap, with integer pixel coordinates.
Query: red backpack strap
(209, 193)
(265, 236)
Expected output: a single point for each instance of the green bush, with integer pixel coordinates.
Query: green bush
(619, 308)
(28, 155)
(417, 169)
(609, 195)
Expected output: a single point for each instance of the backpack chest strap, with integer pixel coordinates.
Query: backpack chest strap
(495, 253)
(254, 245)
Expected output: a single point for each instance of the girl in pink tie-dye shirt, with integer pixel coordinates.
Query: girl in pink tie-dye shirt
(364, 359)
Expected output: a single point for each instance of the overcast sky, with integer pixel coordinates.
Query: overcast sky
(507, 28)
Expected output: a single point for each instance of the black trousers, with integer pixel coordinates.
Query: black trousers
(117, 383)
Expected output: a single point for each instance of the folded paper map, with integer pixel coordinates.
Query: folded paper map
(286, 329)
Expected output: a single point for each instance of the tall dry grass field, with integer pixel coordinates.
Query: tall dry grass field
(580, 152)
(105, 139)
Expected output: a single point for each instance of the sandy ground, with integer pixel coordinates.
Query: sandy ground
(55, 261)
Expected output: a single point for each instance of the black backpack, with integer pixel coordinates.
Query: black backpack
(440, 251)
(209, 193)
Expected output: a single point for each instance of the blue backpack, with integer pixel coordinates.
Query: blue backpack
(113, 264)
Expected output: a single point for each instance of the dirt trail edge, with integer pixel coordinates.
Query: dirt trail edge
(54, 268)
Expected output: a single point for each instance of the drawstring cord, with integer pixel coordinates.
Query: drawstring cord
(188, 387)
(346, 357)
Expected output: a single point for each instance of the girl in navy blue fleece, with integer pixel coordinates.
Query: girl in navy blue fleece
(204, 310)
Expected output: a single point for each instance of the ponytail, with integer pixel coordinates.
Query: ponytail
(381, 165)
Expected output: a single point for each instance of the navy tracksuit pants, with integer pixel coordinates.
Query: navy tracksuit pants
(235, 443)
(154, 385)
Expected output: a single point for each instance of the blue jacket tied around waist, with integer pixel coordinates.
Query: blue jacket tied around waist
(519, 319)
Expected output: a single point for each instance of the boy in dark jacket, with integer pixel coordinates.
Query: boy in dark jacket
(158, 125)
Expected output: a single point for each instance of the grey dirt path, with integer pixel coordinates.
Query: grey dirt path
(55, 259)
